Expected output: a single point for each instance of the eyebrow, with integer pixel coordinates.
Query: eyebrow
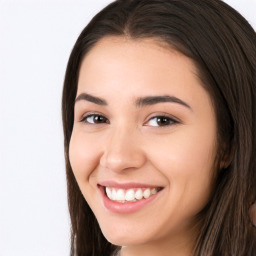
(140, 102)
(90, 98)
(151, 100)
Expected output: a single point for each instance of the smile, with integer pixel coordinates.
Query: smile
(127, 198)
(130, 195)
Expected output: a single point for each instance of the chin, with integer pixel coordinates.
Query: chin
(122, 240)
(123, 236)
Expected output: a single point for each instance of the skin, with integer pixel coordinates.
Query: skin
(130, 146)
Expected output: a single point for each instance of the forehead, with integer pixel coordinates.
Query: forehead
(145, 49)
(116, 59)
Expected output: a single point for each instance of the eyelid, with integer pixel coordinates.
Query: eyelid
(171, 117)
(89, 114)
(164, 114)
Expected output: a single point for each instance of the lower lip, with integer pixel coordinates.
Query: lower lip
(128, 207)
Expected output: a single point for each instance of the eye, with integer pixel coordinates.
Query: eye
(94, 119)
(160, 121)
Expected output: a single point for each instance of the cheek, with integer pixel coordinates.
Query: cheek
(186, 160)
(185, 152)
(83, 154)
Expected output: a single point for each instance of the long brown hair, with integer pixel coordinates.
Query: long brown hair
(222, 45)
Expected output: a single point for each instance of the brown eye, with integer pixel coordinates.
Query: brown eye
(159, 121)
(95, 119)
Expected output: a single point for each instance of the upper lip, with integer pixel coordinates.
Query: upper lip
(127, 185)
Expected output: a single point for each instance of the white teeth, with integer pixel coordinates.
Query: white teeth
(109, 193)
(146, 193)
(139, 194)
(131, 195)
(153, 191)
(120, 196)
(114, 196)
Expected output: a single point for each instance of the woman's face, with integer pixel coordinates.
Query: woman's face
(145, 131)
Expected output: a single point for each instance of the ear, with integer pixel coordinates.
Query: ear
(227, 157)
(252, 214)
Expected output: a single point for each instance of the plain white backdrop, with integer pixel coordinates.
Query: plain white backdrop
(36, 37)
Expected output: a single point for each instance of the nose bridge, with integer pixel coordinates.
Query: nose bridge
(122, 149)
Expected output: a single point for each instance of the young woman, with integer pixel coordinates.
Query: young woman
(159, 111)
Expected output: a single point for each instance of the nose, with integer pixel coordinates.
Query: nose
(122, 151)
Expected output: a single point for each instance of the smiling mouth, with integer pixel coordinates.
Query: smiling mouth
(127, 198)
(130, 195)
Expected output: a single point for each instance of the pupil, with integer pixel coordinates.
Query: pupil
(98, 119)
(162, 121)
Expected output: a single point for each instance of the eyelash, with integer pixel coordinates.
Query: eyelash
(168, 119)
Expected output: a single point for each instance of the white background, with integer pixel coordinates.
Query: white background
(36, 38)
